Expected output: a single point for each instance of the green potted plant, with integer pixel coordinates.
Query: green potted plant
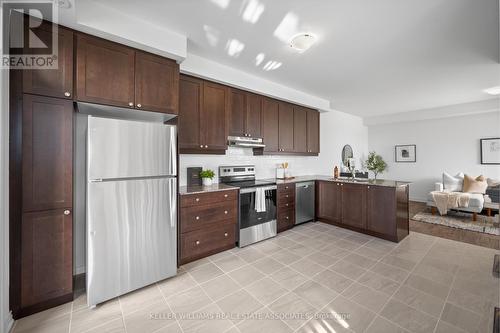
(375, 163)
(207, 177)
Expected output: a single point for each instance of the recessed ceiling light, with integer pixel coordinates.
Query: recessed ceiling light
(302, 41)
(493, 91)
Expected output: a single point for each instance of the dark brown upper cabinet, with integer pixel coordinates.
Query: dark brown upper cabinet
(214, 115)
(299, 129)
(104, 72)
(270, 123)
(329, 201)
(47, 149)
(53, 82)
(46, 258)
(237, 117)
(313, 131)
(253, 115)
(203, 108)
(190, 105)
(156, 83)
(246, 113)
(354, 205)
(285, 127)
(113, 74)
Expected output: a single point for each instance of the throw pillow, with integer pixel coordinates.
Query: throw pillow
(493, 182)
(453, 183)
(475, 185)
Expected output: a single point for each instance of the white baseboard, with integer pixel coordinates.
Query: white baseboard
(8, 324)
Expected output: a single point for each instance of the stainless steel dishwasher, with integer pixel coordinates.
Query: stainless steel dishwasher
(304, 202)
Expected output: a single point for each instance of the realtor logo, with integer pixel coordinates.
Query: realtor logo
(29, 39)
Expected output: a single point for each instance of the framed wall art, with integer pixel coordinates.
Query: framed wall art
(405, 153)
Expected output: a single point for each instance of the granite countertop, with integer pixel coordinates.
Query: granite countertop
(205, 189)
(373, 182)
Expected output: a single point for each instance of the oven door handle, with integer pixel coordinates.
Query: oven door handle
(253, 189)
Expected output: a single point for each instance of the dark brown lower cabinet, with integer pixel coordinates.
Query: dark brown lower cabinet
(354, 205)
(329, 201)
(47, 256)
(285, 206)
(379, 211)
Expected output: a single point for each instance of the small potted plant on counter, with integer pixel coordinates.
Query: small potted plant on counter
(207, 177)
(375, 163)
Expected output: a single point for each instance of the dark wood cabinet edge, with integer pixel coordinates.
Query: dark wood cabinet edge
(202, 151)
(392, 238)
(29, 310)
(261, 152)
(186, 260)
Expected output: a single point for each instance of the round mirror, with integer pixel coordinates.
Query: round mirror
(346, 154)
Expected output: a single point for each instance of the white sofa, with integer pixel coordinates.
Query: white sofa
(454, 184)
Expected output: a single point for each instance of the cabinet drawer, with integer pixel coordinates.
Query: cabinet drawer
(286, 195)
(286, 203)
(208, 198)
(286, 219)
(282, 188)
(201, 243)
(198, 217)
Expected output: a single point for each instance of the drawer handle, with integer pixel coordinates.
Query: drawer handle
(225, 195)
(225, 212)
(197, 217)
(197, 243)
(67, 94)
(66, 212)
(197, 199)
(286, 205)
(286, 195)
(287, 218)
(286, 187)
(225, 234)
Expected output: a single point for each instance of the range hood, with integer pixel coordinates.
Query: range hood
(245, 142)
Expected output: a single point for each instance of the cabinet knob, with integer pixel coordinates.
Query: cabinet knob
(67, 94)
(139, 105)
(206, 146)
(368, 186)
(130, 104)
(225, 195)
(66, 212)
(286, 218)
(197, 243)
(225, 234)
(286, 196)
(197, 199)
(225, 212)
(197, 217)
(286, 187)
(286, 205)
(201, 146)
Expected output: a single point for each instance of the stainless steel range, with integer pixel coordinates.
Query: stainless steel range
(257, 213)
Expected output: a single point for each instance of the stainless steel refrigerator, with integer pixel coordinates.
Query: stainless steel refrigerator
(131, 206)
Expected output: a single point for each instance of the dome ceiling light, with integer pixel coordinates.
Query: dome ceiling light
(303, 41)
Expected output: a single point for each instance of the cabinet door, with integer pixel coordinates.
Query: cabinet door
(381, 210)
(47, 150)
(313, 131)
(285, 128)
(253, 116)
(53, 82)
(299, 129)
(156, 83)
(270, 123)
(214, 115)
(190, 99)
(354, 205)
(104, 72)
(237, 115)
(329, 201)
(46, 256)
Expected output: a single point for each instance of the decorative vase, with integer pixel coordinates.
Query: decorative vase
(207, 181)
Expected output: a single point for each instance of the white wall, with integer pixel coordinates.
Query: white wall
(448, 144)
(337, 129)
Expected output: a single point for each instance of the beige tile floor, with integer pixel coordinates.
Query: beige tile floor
(314, 278)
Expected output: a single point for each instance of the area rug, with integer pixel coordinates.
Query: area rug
(461, 220)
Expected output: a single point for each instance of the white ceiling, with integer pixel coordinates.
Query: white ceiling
(372, 56)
